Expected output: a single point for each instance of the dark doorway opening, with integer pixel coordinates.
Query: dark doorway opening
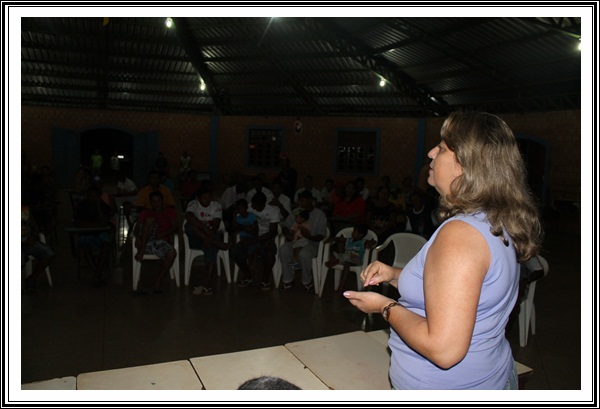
(108, 141)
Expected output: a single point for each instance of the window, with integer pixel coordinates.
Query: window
(357, 151)
(264, 146)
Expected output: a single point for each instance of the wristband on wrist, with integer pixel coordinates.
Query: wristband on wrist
(386, 310)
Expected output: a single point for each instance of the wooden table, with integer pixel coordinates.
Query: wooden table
(65, 384)
(352, 361)
(229, 371)
(176, 375)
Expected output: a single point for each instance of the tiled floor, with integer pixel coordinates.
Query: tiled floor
(74, 327)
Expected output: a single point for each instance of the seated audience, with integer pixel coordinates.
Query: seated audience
(325, 203)
(264, 244)
(245, 224)
(203, 216)
(190, 186)
(318, 222)
(361, 189)
(280, 200)
(382, 214)
(143, 198)
(297, 238)
(350, 210)
(419, 216)
(155, 231)
(32, 246)
(349, 251)
(309, 185)
(229, 200)
(258, 186)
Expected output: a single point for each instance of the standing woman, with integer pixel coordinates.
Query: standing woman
(458, 291)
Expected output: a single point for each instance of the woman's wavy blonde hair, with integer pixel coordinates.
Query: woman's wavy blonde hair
(494, 179)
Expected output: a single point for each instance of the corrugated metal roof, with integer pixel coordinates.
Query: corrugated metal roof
(304, 65)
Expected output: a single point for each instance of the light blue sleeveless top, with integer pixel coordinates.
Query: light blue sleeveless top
(489, 360)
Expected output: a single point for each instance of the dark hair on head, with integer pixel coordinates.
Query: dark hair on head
(494, 179)
(383, 187)
(203, 190)
(259, 198)
(156, 193)
(268, 383)
(356, 192)
(241, 203)
(362, 229)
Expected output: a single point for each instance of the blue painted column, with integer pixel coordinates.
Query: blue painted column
(213, 148)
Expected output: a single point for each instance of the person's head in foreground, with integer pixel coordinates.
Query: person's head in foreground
(267, 382)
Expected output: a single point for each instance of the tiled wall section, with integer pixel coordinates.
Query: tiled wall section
(311, 151)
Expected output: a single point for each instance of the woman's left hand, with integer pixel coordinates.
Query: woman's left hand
(368, 301)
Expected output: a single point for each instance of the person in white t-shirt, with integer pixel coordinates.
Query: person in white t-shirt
(203, 216)
(268, 219)
(309, 185)
(229, 199)
(280, 201)
(258, 186)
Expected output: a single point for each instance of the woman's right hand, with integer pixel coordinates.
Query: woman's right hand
(378, 272)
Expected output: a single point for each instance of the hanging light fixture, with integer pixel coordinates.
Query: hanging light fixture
(382, 82)
(202, 85)
(169, 22)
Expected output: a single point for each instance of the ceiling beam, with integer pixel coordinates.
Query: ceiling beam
(194, 52)
(365, 56)
(573, 31)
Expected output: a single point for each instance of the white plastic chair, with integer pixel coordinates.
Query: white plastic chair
(406, 246)
(527, 311)
(317, 263)
(173, 271)
(279, 241)
(346, 232)
(29, 264)
(191, 254)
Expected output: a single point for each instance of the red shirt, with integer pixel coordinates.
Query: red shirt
(356, 209)
(164, 220)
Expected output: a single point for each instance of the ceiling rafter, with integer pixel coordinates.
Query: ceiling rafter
(302, 66)
(377, 64)
(466, 58)
(194, 51)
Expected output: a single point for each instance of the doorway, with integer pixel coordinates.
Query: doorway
(107, 141)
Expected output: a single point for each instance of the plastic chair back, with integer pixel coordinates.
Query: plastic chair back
(406, 246)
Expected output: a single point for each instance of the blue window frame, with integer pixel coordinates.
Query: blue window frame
(357, 151)
(264, 146)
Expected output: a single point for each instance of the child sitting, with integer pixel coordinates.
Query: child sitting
(351, 251)
(297, 237)
(246, 224)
